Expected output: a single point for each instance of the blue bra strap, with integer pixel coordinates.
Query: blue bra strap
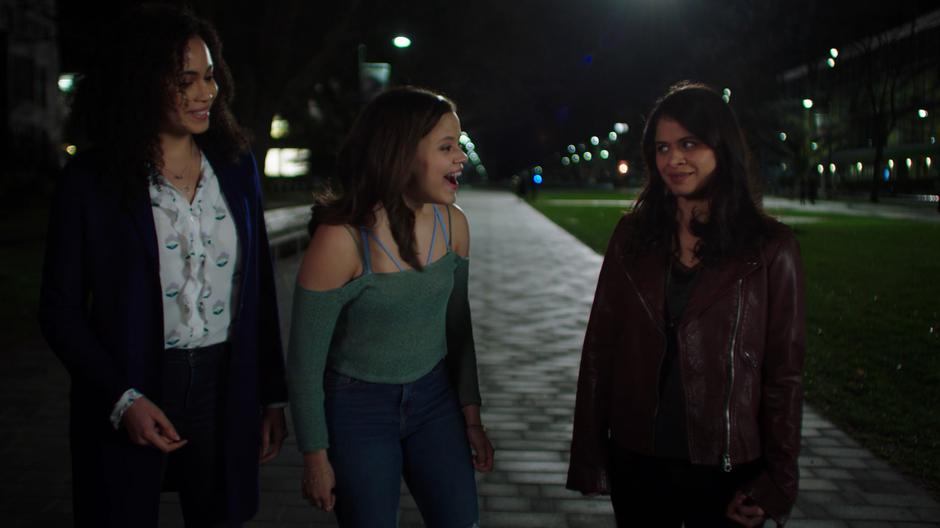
(366, 258)
(440, 221)
(389, 253)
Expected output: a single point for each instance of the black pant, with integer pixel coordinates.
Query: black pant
(193, 400)
(662, 492)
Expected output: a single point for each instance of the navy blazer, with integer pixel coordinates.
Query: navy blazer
(101, 311)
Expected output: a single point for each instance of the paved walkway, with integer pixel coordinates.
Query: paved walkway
(531, 288)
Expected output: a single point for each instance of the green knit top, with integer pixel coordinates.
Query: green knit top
(381, 328)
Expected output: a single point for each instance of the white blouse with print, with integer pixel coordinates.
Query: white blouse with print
(198, 252)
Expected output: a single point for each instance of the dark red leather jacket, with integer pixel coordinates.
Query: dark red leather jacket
(741, 345)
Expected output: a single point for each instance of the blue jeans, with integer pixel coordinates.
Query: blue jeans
(381, 432)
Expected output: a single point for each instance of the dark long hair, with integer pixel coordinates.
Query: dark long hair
(130, 86)
(734, 220)
(376, 163)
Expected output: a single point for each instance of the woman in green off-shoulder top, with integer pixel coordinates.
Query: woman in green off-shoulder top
(381, 363)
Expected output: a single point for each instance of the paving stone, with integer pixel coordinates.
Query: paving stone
(881, 513)
(807, 484)
(580, 520)
(537, 478)
(817, 523)
(585, 506)
(507, 504)
(521, 520)
(831, 473)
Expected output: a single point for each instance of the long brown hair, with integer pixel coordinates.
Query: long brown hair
(376, 163)
(734, 220)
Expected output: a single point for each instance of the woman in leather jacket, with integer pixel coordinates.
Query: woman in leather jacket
(690, 390)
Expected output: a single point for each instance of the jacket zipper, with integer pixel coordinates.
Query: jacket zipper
(726, 457)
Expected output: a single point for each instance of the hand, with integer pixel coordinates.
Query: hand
(744, 511)
(273, 433)
(318, 481)
(481, 447)
(147, 425)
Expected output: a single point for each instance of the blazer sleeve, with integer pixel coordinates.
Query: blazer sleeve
(272, 384)
(590, 450)
(65, 293)
(781, 404)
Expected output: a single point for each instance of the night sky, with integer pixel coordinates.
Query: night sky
(529, 76)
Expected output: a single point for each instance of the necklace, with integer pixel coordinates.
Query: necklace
(181, 179)
(181, 175)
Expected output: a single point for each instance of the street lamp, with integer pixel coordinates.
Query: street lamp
(834, 53)
(922, 113)
(401, 42)
(807, 103)
(66, 82)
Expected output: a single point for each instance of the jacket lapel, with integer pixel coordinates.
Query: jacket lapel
(714, 281)
(646, 274)
(230, 181)
(141, 210)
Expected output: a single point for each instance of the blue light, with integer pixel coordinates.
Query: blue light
(887, 174)
(537, 179)
(588, 59)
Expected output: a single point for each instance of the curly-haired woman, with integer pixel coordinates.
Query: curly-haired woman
(158, 289)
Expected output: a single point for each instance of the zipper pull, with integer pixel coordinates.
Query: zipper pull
(726, 463)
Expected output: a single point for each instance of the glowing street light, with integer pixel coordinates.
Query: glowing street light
(595, 140)
(831, 62)
(834, 53)
(401, 42)
(621, 128)
(807, 103)
(279, 127)
(922, 113)
(623, 167)
(66, 82)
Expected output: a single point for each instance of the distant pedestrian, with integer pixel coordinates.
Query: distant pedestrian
(380, 333)
(689, 395)
(158, 291)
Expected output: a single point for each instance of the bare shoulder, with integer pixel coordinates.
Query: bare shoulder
(332, 259)
(460, 230)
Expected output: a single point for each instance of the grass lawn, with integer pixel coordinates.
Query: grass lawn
(873, 329)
